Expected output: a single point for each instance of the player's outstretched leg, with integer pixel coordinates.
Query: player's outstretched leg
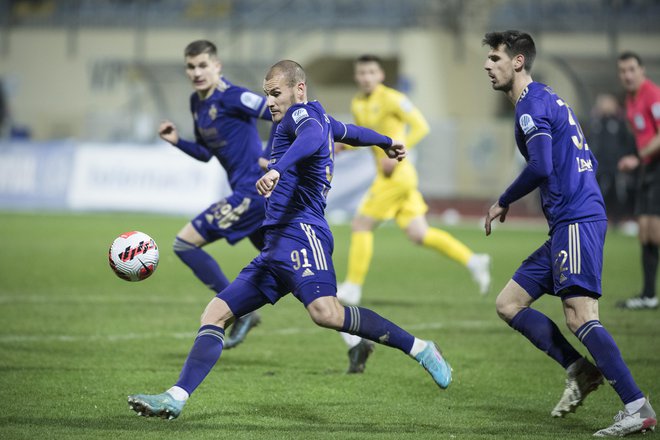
(358, 355)
(349, 293)
(162, 405)
(203, 355)
(360, 253)
(479, 267)
(582, 377)
(431, 359)
(631, 422)
(443, 242)
(370, 325)
(240, 329)
(205, 268)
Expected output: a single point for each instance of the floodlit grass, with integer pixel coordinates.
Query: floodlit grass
(75, 340)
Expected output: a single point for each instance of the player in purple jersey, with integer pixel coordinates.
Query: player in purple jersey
(225, 127)
(569, 264)
(297, 255)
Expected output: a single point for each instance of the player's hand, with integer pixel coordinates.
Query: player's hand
(167, 132)
(628, 163)
(267, 183)
(263, 164)
(396, 151)
(495, 211)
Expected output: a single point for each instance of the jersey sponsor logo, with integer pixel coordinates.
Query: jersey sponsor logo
(251, 100)
(213, 112)
(584, 165)
(655, 109)
(299, 114)
(527, 123)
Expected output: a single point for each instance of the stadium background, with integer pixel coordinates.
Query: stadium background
(85, 84)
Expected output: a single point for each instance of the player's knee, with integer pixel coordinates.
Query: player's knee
(362, 223)
(416, 235)
(180, 246)
(506, 310)
(217, 313)
(327, 317)
(576, 320)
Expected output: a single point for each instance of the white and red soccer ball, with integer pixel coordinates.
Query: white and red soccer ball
(133, 256)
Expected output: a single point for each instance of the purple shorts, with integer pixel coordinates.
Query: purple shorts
(234, 218)
(296, 258)
(569, 264)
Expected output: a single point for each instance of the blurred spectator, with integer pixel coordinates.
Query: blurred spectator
(610, 140)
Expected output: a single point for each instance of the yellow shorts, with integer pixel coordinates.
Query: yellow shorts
(391, 199)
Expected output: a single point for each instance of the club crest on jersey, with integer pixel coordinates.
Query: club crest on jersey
(639, 122)
(527, 123)
(299, 114)
(213, 112)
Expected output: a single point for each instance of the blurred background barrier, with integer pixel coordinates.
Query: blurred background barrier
(66, 176)
(108, 71)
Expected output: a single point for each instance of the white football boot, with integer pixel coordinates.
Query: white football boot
(582, 378)
(641, 421)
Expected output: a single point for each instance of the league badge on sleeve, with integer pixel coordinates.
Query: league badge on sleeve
(527, 123)
(299, 115)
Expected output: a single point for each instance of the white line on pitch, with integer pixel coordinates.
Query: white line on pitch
(466, 324)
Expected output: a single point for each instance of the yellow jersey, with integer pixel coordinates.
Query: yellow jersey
(391, 113)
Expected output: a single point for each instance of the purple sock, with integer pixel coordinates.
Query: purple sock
(545, 335)
(608, 359)
(203, 355)
(370, 325)
(202, 264)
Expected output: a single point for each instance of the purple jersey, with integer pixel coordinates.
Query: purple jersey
(300, 195)
(570, 192)
(225, 125)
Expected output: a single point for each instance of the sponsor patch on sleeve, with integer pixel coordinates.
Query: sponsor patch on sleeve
(527, 123)
(299, 115)
(251, 100)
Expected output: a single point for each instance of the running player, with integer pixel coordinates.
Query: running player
(225, 127)
(297, 254)
(570, 263)
(393, 195)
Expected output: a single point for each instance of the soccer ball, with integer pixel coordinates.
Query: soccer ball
(133, 256)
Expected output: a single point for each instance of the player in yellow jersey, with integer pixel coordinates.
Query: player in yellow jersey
(393, 195)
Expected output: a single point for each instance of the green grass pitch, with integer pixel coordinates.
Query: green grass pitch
(75, 340)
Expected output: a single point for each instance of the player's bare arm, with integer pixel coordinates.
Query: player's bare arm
(167, 131)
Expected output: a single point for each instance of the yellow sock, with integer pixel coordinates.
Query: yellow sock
(445, 243)
(359, 256)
